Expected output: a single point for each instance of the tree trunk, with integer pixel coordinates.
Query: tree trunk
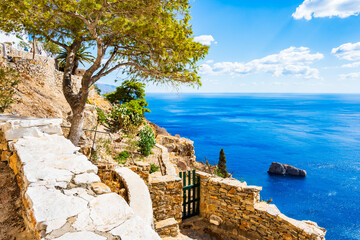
(34, 47)
(77, 122)
(76, 65)
(76, 101)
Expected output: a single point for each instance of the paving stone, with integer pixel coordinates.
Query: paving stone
(81, 236)
(50, 204)
(79, 192)
(86, 178)
(135, 229)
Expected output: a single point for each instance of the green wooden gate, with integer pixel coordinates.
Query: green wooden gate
(191, 194)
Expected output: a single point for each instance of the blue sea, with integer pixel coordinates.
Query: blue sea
(318, 133)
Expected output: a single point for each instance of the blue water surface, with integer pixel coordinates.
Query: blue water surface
(318, 133)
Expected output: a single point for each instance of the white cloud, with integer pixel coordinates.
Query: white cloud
(291, 61)
(350, 76)
(351, 65)
(347, 51)
(327, 8)
(205, 39)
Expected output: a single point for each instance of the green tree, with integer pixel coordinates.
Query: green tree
(221, 167)
(131, 95)
(129, 90)
(8, 80)
(148, 40)
(81, 56)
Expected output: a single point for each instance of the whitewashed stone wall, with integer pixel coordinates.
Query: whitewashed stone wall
(60, 189)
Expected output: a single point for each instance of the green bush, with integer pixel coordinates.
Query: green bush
(218, 172)
(120, 117)
(147, 140)
(101, 116)
(122, 157)
(154, 168)
(8, 81)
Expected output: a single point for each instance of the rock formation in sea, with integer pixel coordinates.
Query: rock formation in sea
(285, 169)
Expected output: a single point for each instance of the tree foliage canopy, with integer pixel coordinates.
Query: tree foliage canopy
(149, 39)
(81, 56)
(51, 48)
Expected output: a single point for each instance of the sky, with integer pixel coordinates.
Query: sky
(275, 46)
(310, 46)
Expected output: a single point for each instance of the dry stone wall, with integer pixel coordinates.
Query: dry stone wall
(15, 53)
(61, 192)
(166, 195)
(234, 210)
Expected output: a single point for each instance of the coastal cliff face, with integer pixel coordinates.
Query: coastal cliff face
(39, 93)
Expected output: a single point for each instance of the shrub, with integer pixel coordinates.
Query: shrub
(154, 168)
(120, 117)
(218, 172)
(122, 157)
(94, 155)
(101, 116)
(8, 80)
(147, 140)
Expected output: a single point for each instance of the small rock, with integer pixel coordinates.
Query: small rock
(216, 220)
(109, 211)
(100, 188)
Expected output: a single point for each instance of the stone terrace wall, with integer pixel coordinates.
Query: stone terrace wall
(19, 54)
(166, 195)
(60, 190)
(234, 210)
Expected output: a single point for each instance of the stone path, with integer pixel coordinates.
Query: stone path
(58, 186)
(11, 222)
(195, 228)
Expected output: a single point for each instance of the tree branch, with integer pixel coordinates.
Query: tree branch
(108, 61)
(98, 76)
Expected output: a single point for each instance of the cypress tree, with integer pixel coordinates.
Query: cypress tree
(222, 164)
